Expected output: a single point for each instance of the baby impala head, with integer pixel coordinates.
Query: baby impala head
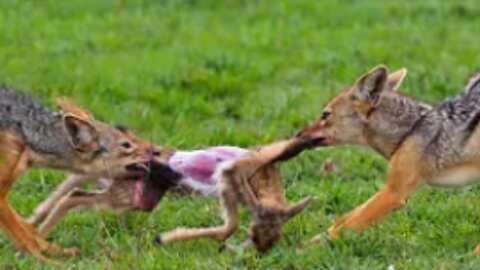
(266, 228)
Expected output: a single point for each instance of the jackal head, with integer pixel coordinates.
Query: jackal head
(99, 149)
(347, 116)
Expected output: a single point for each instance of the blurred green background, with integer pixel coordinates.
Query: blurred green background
(197, 73)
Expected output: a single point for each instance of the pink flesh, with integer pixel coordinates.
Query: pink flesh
(138, 193)
(140, 201)
(197, 165)
(200, 165)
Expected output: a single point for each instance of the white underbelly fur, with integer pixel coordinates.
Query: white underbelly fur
(456, 177)
(206, 188)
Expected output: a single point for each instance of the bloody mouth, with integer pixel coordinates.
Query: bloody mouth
(318, 142)
(303, 144)
(151, 181)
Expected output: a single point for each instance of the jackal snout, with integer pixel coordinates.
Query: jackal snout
(313, 135)
(159, 167)
(155, 157)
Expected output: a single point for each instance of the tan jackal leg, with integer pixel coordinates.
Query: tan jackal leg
(76, 199)
(63, 189)
(404, 177)
(46, 246)
(13, 162)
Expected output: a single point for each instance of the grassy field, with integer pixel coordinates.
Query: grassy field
(197, 73)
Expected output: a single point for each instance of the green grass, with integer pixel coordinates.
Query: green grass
(198, 73)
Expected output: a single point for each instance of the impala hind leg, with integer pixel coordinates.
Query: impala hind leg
(227, 197)
(76, 199)
(42, 211)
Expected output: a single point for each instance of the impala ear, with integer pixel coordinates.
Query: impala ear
(68, 106)
(296, 208)
(81, 134)
(395, 79)
(370, 86)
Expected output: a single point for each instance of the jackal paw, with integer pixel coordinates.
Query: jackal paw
(333, 232)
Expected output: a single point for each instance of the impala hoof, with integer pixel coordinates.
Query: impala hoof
(158, 240)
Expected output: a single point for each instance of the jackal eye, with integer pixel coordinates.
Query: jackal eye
(156, 152)
(126, 145)
(325, 115)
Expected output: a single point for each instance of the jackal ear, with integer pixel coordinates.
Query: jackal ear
(296, 208)
(81, 134)
(473, 84)
(370, 86)
(395, 79)
(68, 106)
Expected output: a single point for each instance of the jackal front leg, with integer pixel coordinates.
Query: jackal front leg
(63, 189)
(227, 197)
(405, 175)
